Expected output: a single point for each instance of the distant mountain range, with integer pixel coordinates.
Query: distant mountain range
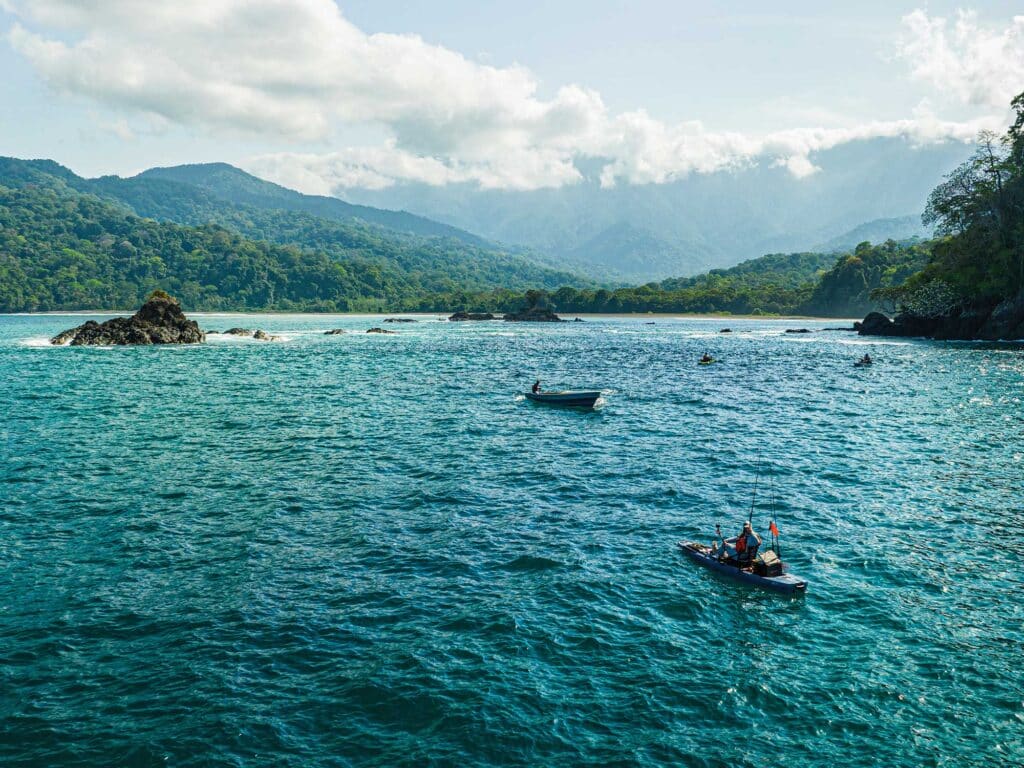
(900, 229)
(236, 186)
(638, 233)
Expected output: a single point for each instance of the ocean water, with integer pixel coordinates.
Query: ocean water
(371, 550)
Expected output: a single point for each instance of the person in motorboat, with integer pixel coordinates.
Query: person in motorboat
(707, 358)
(536, 387)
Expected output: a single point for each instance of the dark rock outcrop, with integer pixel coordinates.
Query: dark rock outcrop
(533, 315)
(875, 324)
(578, 320)
(458, 316)
(158, 321)
(381, 330)
(239, 331)
(334, 332)
(726, 330)
(400, 320)
(1004, 321)
(798, 330)
(264, 336)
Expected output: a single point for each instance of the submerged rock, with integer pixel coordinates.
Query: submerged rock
(158, 321)
(264, 336)
(400, 320)
(239, 331)
(798, 330)
(533, 315)
(458, 316)
(726, 330)
(334, 332)
(382, 330)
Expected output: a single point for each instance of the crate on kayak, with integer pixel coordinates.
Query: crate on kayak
(768, 564)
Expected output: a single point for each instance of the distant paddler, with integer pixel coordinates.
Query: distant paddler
(866, 360)
(706, 359)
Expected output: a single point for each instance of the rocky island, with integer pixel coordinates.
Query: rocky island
(158, 321)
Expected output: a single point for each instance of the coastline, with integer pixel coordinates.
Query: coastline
(568, 315)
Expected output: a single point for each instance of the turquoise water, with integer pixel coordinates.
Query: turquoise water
(368, 550)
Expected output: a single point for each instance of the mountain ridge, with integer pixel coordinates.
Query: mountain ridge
(713, 220)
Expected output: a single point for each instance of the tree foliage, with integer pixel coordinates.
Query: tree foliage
(980, 209)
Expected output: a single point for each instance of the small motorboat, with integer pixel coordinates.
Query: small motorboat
(772, 574)
(576, 398)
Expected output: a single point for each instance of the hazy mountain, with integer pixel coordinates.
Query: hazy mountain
(712, 220)
(877, 231)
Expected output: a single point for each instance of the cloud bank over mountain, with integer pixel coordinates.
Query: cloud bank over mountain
(297, 71)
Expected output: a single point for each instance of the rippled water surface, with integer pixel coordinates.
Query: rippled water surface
(369, 550)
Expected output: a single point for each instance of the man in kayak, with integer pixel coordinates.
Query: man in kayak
(746, 543)
(536, 387)
(742, 547)
(866, 360)
(707, 358)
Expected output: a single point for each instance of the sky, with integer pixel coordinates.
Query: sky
(325, 96)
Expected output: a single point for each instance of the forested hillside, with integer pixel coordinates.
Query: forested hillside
(233, 185)
(851, 287)
(49, 215)
(784, 284)
(67, 250)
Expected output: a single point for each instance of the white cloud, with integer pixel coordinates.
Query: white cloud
(297, 70)
(974, 64)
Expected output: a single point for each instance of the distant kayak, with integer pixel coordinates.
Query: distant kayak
(782, 582)
(576, 398)
(862, 364)
(708, 362)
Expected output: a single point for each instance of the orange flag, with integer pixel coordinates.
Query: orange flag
(773, 528)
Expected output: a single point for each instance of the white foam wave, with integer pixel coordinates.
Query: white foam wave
(41, 341)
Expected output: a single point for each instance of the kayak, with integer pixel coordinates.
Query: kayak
(861, 364)
(706, 362)
(579, 398)
(784, 582)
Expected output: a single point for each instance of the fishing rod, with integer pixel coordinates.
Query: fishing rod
(774, 528)
(757, 476)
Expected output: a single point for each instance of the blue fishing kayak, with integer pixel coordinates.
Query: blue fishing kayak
(785, 582)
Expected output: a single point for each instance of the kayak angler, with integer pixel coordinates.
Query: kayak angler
(738, 557)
